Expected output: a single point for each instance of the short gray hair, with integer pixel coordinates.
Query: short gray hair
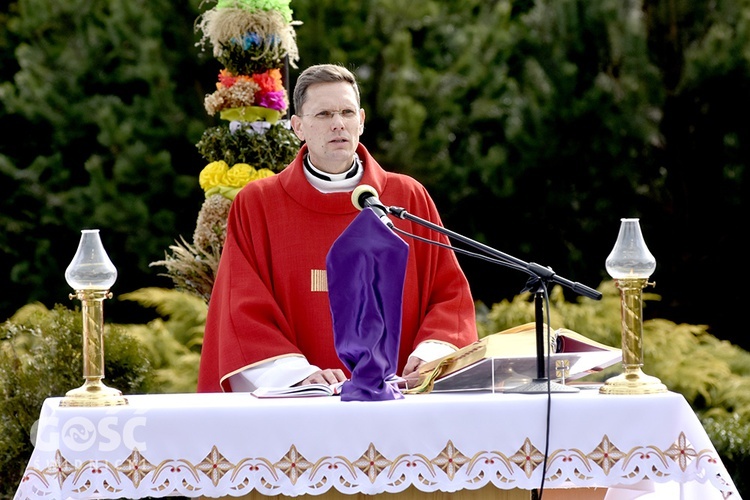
(321, 73)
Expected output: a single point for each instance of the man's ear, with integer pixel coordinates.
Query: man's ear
(361, 121)
(297, 127)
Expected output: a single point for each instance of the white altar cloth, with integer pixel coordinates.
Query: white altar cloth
(231, 444)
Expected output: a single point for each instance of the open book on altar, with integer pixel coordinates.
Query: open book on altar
(298, 391)
(508, 359)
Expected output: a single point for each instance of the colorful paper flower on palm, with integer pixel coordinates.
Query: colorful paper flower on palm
(218, 178)
(271, 94)
(227, 79)
(239, 96)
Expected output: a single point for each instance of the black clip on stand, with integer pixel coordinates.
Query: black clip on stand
(542, 383)
(539, 275)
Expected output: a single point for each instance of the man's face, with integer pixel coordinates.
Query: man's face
(330, 122)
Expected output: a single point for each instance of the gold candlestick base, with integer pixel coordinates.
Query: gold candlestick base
(633, 382)
(93, 393)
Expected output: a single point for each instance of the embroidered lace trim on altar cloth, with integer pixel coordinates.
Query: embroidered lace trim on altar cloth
(377, 466)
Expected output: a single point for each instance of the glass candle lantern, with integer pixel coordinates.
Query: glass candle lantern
(91, 274)
(630, 264)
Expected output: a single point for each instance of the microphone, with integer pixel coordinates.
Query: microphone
(365, 196)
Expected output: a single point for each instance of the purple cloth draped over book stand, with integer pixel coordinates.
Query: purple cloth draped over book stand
(366, 266)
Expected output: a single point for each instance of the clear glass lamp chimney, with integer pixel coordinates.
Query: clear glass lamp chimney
(91, 268)
(630, 258)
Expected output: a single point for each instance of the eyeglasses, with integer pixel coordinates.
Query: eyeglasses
(327, 115)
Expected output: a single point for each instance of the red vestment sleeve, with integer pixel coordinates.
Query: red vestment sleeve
(246, 305)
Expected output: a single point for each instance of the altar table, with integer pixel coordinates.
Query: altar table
(215, 445)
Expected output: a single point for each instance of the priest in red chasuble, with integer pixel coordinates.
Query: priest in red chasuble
(269, 318)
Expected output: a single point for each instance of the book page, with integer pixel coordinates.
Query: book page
(298, 391)
(570, 341)
(519, 341)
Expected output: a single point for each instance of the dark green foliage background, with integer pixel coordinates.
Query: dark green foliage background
(101, 110)
(536, 125)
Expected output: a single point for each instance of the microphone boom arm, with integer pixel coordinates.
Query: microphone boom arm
(535, 270)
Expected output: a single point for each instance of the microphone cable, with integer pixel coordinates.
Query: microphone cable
(548, 423)
(463, 251)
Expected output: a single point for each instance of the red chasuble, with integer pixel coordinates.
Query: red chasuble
(270, 296)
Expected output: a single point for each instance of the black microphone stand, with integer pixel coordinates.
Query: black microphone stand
(538, 282)
(542, 383)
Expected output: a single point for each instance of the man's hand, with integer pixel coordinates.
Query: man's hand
(329, 376)
(411, 370)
